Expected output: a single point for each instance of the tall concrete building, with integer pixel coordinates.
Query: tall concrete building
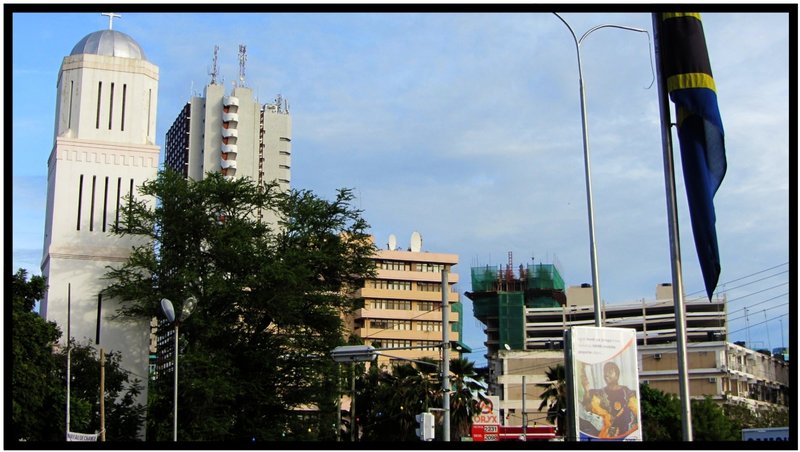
(103, 149)
(403, 304)
(232, 133)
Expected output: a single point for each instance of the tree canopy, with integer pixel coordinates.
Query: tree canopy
(38, 378)
(254, 355)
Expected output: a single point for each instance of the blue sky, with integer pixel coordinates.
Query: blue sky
(466, 128)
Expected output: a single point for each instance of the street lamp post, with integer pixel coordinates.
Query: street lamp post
(169, 311)
(585, 127)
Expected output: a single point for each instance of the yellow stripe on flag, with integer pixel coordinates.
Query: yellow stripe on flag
(692, 80)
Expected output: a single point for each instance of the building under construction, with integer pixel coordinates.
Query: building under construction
(528, 308)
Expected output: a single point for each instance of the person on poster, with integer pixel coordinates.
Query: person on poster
(616, 405)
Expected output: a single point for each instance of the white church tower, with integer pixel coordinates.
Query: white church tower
(104, 148)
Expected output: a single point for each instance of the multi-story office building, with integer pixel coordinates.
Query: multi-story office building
(402, 305)
(232, 133)
(525, 318)
(104, 148)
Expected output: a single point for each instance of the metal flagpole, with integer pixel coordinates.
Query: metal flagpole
(674, 238)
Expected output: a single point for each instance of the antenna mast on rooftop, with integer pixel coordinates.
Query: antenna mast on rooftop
(214, 69)
(242, 61)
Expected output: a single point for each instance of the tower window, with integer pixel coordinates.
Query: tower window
(80, 197)
(122, 119)
(99, 94)
(91, 209)
(105, 204)
(110, 105)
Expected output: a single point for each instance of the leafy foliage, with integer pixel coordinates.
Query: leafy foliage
(38, 378)
(554, 397)
(388, 402)
(254, 352)
(34, 377)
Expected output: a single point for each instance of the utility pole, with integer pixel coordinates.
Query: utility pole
(445, 356)
(102, 395)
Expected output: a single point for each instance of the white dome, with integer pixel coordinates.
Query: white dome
(109, 43)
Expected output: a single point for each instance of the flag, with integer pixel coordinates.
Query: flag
(687, 72)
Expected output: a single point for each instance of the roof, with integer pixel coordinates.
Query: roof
(109, 43)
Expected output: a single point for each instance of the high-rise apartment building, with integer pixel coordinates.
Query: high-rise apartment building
(104, 148)
(402, 305)
(232, 133)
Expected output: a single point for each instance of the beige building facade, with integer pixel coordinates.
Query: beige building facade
(403, 305)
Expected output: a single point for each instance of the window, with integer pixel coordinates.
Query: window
(396, 325)
(389, 284)
(428, 326)
(429, 287)
(393, 265)
(391, 343)
(390, 304)
(427, 305)
(429, 345)
(431, 268)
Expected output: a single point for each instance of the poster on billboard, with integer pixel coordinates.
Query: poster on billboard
(604, 384)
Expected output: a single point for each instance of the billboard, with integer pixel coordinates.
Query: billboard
(603, 379)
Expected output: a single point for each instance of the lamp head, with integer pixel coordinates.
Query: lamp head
(168, 309)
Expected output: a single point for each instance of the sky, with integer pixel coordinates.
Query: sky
(466, 127)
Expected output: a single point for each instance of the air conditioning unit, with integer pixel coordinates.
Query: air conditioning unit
(657, 356)
(712, 380)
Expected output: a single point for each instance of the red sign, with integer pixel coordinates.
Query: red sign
(484, 432)
(502, 433)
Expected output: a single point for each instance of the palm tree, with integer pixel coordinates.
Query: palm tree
(462, 402)
(554, 397)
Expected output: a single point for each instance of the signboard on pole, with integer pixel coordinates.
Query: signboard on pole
(604, 379)
(72, 436)
(485, 425)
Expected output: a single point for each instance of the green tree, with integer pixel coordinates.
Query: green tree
(709, 422)
(554, 397)
(35, 385)
(38, 378)
(661, 415)
(255, 350)
(463, 404)
(123, 416)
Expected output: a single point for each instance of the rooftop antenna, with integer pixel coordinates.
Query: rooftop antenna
(416, 242)
(214, 69)
(111, 17)
(242, 61)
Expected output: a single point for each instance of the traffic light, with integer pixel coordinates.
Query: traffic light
(426, 428)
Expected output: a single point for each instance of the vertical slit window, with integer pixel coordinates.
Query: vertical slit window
(149, 104)
(91, 208)
(69, 104)
(119, 186)
(99, 94)
(110, 105)
(105, 204)
(80, 197)
(122, 118)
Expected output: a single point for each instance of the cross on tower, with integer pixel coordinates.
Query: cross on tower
(111, 17)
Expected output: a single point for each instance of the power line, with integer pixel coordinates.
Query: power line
(753, 293)
(756, 304)
(756, 324)
(743, 277)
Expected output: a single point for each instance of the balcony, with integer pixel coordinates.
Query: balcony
(225, 164)
(229, 149)
(230, 117)
(230, 133)
(230, 101)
